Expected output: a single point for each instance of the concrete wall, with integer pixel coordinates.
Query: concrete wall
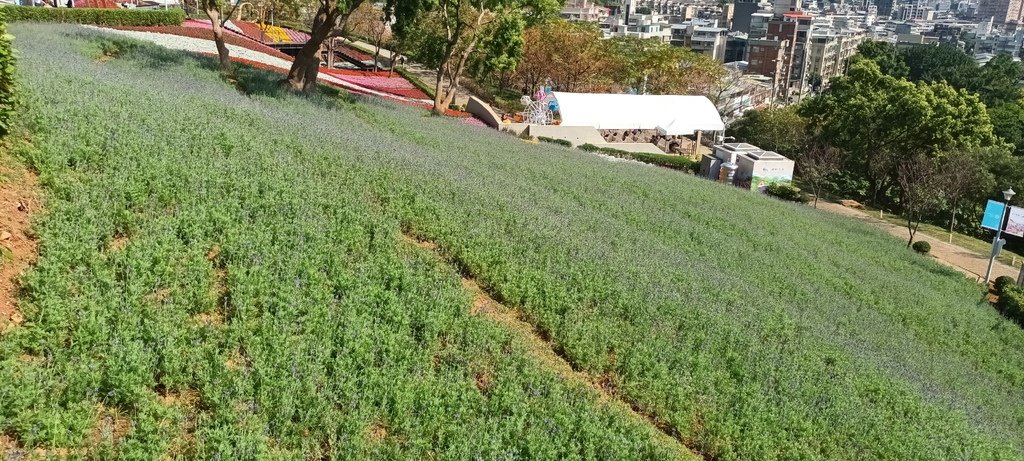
(483, 112)
(575, 134)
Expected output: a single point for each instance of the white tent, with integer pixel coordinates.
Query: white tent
(671, 114)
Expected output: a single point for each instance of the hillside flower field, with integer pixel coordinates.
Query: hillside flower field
(223, 274)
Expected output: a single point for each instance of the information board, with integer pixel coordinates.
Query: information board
(993, 218)
(1015, 225)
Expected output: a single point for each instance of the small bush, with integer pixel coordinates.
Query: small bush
(588, 147)
(97, 16)
(786, 191)
(1002, 282)
(8, 95)
(561, 142)
(1011, 303)
(922, 247)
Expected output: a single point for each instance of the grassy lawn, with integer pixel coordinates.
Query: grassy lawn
(223, 274)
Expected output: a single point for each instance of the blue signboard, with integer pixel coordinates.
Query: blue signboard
(993, 218)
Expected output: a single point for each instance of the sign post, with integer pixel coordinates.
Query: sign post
(995, 215)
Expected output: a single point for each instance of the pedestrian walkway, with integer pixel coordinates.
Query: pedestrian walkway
(972, 264)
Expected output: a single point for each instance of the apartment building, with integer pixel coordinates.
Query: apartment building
(795, 30)
(1001, 11)
(702, 37)
(830, 50)
(584, 10)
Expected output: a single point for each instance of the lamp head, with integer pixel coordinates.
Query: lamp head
(1008, 194)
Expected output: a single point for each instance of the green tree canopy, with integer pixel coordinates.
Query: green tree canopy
(939, 63)
(780, 130)
(886, 55)
(879, 120)
(998, 81)
(1008, 124)
(447, 34)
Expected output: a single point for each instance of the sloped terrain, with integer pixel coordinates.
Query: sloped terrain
(227, 272)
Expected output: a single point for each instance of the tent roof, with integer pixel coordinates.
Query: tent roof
(676, 115)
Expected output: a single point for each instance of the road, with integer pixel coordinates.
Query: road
(972, 264)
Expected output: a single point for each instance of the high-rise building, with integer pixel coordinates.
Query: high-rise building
(1001, 11)
(795, 30)
(829, 52)
(744, 9)
(884, 8)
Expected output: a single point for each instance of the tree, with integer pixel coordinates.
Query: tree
(815, 166)
(570, 54)
(1008, 123)
(781, 130)
(654, 67)
(306, 66)
(371, 22)
(879, 120)
(726, 93)
(964, 176)
(886, 55)
(213, 8)
(939, 63)
(444, 34)
(921, 182)
(998, 81)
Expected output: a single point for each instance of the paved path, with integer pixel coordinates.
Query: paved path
(972, 264)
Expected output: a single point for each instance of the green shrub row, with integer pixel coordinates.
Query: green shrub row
(97, 16)
(786, 191)
(8, 99)
(674, 162)
(561, 142)
(1011, 303)
(414, 80)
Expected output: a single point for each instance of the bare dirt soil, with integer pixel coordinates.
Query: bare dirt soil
(19, 199)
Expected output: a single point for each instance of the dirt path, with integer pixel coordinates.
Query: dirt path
(972, 264)
(546, 355)
(18, 198)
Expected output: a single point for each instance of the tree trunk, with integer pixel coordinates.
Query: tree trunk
(306, 66)
(223, 55)
(453, 78)
(910, 228)
(439, 94)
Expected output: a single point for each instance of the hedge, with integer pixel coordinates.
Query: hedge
(561, 142)
(8, 96)
(674, 162)
(416, 82)
(786, 191)
(97, 16)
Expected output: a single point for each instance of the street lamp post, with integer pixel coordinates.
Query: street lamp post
(997, 242)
